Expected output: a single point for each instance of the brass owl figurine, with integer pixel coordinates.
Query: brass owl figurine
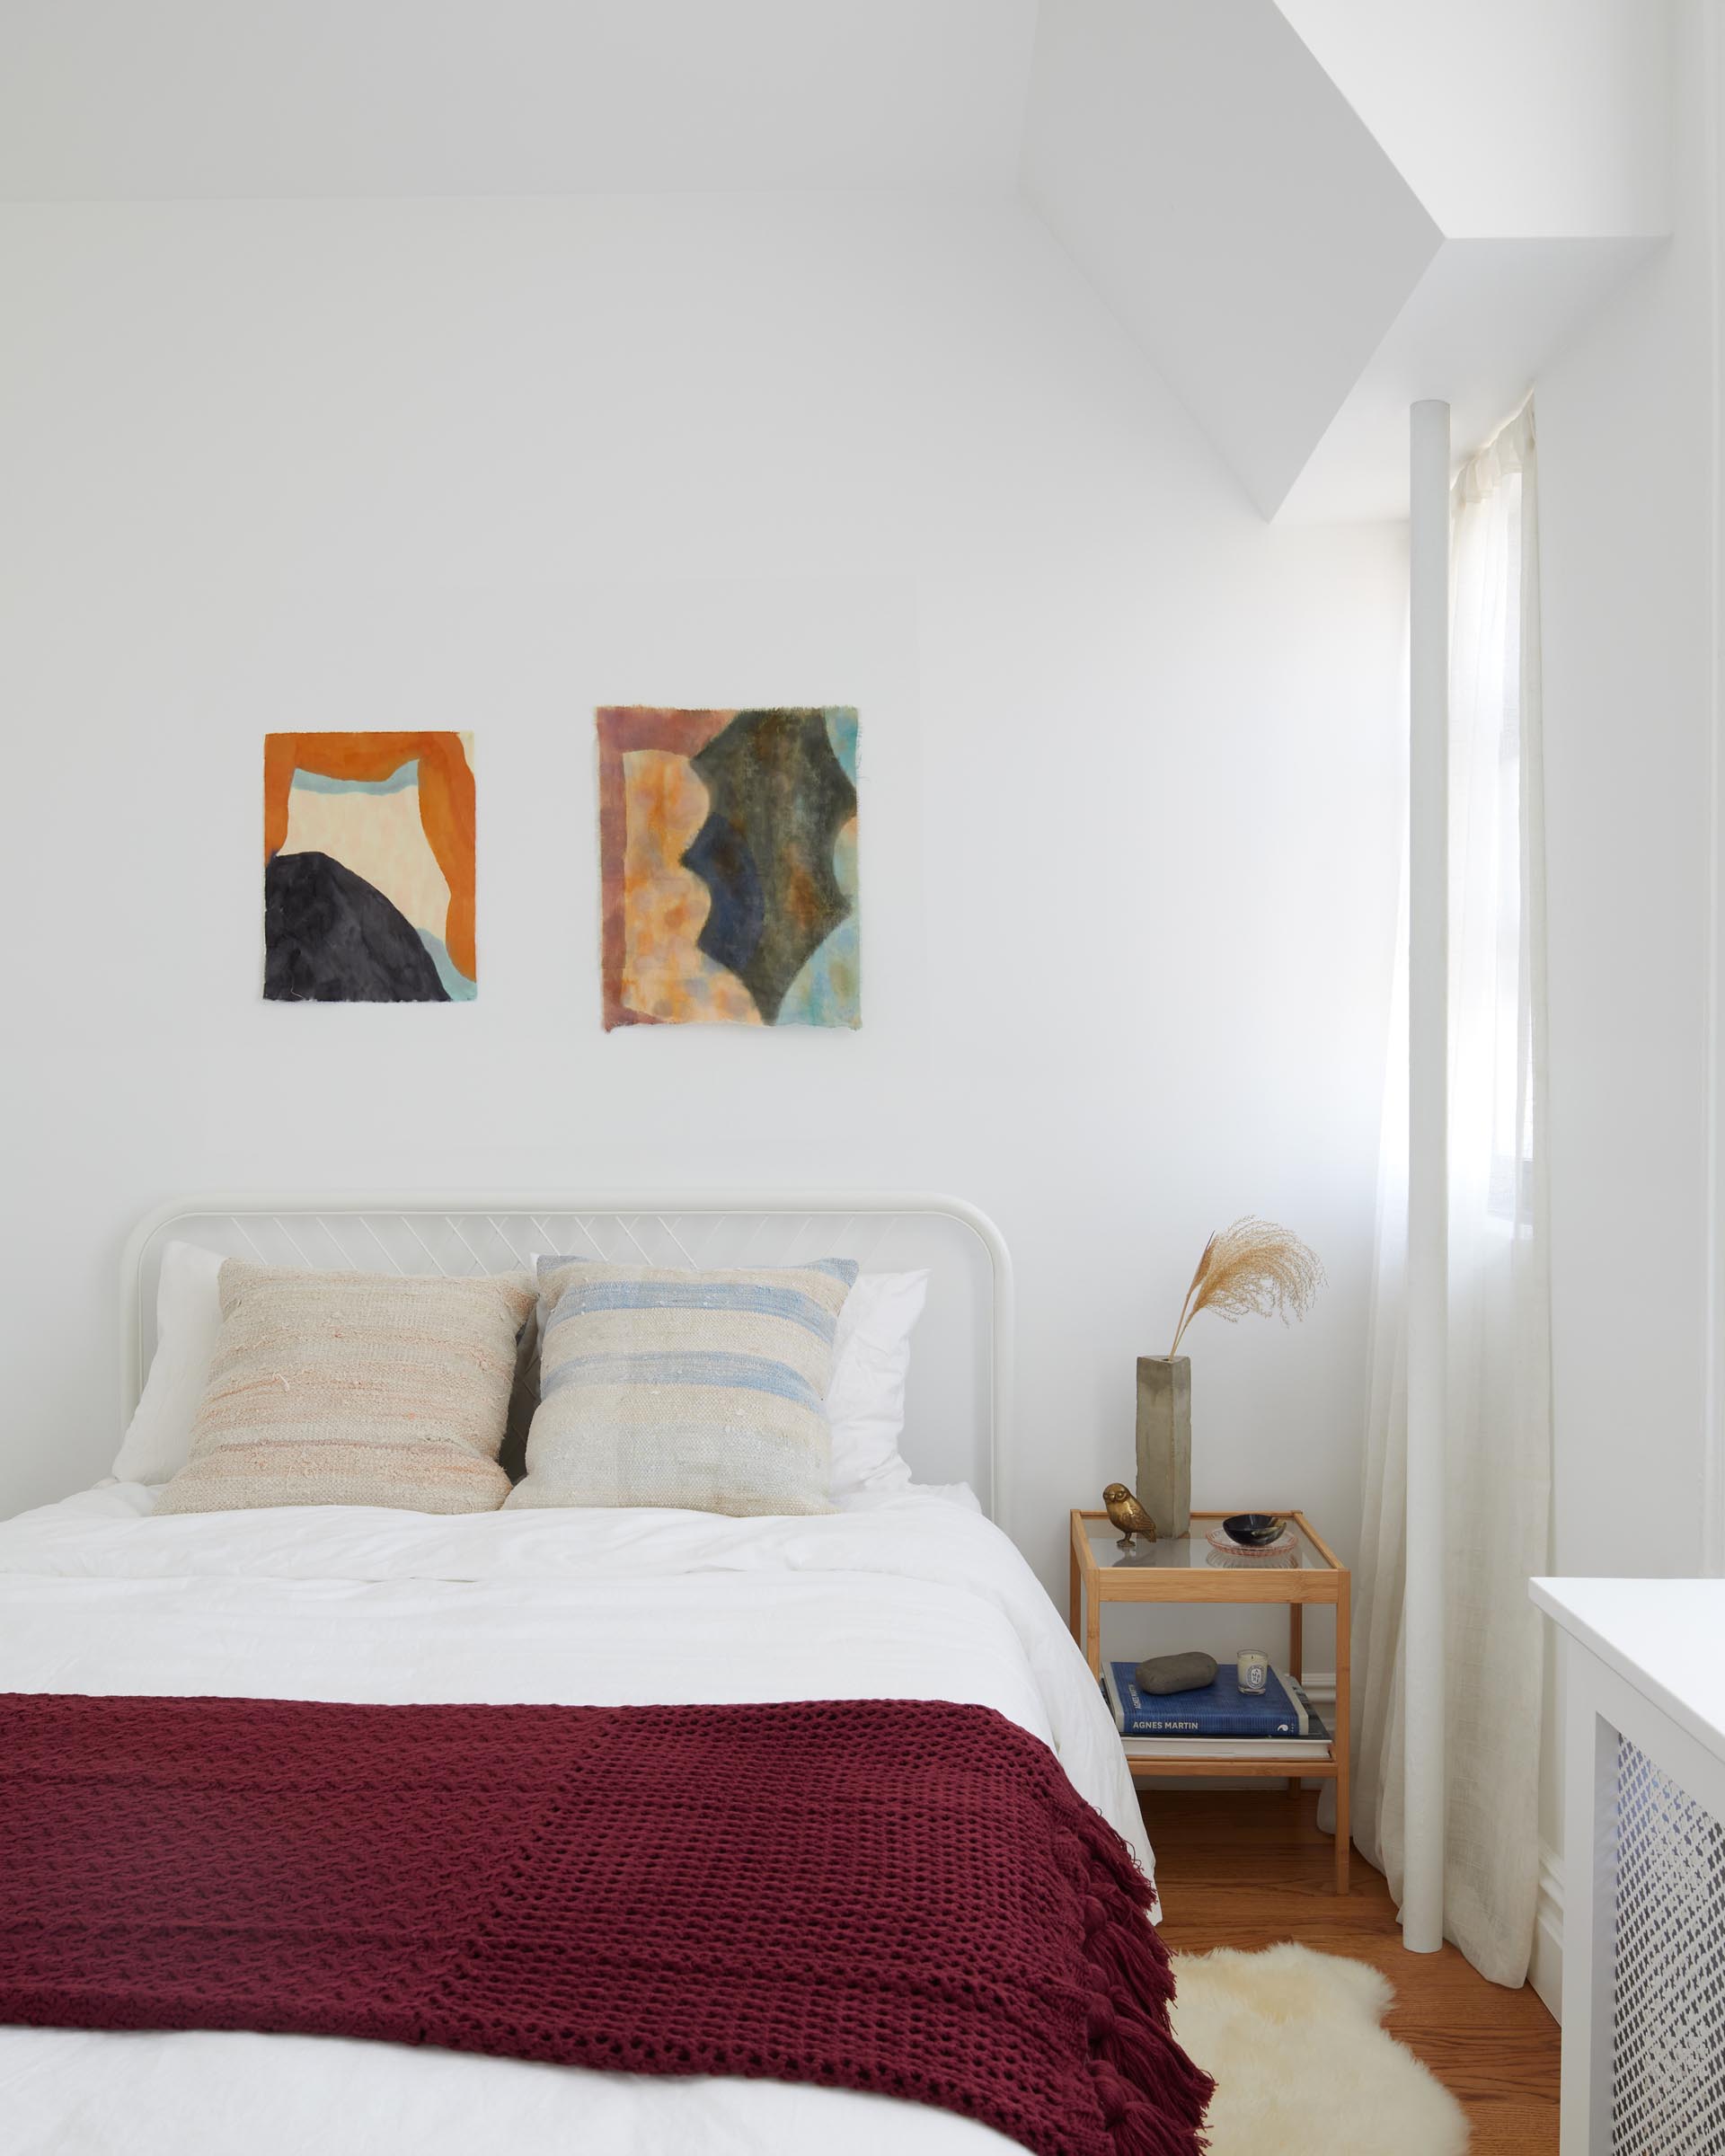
(1127, 1514)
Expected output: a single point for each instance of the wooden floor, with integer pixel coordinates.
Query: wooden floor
(1246, 1868)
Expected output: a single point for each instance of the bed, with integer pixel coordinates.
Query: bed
(911, 1594)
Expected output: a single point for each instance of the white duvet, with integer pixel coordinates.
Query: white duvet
(914, 1595)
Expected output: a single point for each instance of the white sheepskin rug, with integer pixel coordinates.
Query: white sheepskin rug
(1302, 2067)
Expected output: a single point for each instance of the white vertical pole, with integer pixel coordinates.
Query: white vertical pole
(1422, 1896)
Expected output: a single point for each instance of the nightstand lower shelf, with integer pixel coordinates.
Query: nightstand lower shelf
(1183, 1570)
(1292, 1770)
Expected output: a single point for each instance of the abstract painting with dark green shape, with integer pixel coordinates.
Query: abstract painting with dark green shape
(728, 866)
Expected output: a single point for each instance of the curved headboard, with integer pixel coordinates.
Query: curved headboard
(960, 1393)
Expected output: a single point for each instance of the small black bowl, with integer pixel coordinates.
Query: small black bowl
(1254, 1530)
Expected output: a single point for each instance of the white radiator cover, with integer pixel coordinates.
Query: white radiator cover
(1644, 1865)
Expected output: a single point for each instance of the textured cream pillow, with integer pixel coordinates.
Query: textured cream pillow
(354, 1389)
(702, 1391)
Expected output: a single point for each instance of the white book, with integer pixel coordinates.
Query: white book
(1227, 1747)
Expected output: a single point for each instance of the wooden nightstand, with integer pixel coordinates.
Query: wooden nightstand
(1183, 1567)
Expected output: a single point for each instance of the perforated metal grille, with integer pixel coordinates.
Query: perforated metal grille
(1668, 2095)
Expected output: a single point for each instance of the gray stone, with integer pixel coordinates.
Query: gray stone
(1176, 1673)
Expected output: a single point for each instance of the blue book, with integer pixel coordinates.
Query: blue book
(1219, 1708)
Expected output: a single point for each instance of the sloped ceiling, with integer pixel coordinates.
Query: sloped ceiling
(234, 98)
(1309, 215)
(1306, 214)
(1236, 212)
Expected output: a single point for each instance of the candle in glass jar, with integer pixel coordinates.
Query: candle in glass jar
(1253, 1669)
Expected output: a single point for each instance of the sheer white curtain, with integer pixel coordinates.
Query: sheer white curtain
(1499, 1439)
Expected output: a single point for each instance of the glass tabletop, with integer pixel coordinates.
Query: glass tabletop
(1195, 1551)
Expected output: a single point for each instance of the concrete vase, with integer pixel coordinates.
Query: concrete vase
(1164, 1485)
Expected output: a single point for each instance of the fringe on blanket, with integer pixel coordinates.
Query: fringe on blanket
(1153, 2097)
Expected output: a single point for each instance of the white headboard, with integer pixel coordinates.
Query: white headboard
(959, 1394)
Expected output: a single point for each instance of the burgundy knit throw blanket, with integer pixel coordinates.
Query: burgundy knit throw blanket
(901, 1896)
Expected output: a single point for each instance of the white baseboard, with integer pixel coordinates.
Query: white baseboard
(1546, 1971)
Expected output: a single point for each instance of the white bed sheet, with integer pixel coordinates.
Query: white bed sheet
(909, 1596)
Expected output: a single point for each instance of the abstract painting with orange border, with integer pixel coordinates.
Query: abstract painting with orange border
(728, 866)
(368, 868)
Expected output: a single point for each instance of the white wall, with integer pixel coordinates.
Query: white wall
(1628, 469)
(1130, 759)
(1627, 476)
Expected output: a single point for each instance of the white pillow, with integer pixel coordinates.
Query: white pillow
(188, 1317)
(865, 1399)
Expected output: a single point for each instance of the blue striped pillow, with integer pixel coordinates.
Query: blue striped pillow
(703, 1391)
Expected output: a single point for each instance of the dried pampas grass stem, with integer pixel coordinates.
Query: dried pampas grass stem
(1251, 1270)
